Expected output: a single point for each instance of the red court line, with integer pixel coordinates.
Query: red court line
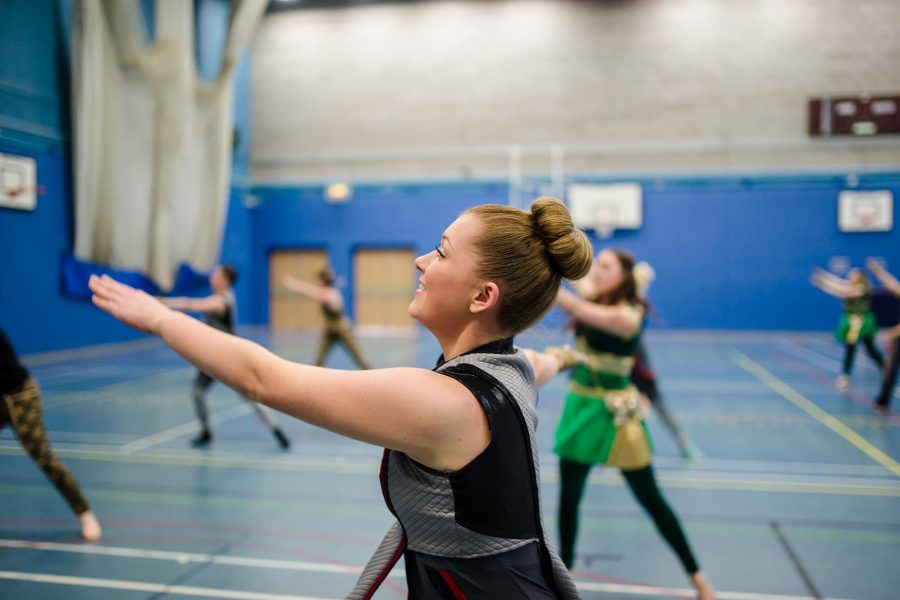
(627, 582)
(828, 382)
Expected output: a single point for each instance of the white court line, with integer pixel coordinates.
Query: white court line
(646, 590)
(189, 557)
(762, 466)
(684, 478)
(181, 558)
(96, 351)
(365, 458)
(143, 586)
(180, 430)
(84, 437)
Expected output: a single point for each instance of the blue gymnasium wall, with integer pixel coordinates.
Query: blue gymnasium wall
(730, 253)
(388, 216)
(34, 122)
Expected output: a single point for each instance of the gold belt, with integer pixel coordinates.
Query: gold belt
(624, 404)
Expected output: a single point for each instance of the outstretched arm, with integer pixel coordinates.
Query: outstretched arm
(298, 286)
(553, 359)
(886, 279)
(890, 334)
(431, 417)
(213, 304)
(834, 285)
(585, 286)
(620, 320)
(329, 295)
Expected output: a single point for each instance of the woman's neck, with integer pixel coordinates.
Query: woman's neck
(468, 339)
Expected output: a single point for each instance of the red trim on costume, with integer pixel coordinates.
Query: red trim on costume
(382, 477)
(401, 548)
(457, 593)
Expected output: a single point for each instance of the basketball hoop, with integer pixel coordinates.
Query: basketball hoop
(18, 182)
(605, 225)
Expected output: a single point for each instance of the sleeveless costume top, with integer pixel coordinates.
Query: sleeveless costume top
(475, 533)
(224, 321)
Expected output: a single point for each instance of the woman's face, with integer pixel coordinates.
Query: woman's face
(447, 281)
(607, 272)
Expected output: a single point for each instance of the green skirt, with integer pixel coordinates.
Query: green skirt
(867, 331)
(586, 431)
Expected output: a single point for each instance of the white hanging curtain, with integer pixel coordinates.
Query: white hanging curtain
(152, 140)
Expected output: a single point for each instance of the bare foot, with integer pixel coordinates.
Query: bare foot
(842, 382)
(704, 588)
(90, 526)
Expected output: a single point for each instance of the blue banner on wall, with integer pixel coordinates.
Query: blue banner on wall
(75, 273)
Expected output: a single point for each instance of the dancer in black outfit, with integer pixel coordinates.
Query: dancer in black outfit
(883, 400)
(220, 309)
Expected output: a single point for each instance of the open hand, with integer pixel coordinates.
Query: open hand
(566, 356)
(131, 306)
(874, 265)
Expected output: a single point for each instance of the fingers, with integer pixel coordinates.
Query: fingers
(102, 303)
(109, 294)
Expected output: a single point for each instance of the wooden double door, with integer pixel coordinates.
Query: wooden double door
(384, 281)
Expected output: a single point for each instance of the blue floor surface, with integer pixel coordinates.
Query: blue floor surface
(797, 496)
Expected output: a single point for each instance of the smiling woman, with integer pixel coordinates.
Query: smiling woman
(460, 470)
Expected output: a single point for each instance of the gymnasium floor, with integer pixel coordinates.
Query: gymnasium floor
(798, 496)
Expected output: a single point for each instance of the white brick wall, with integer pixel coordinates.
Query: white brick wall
(366, 91)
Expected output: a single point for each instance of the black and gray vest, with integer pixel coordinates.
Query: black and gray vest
(224, 321)
(468, 533)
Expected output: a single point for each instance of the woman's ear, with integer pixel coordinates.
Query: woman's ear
(487, 298)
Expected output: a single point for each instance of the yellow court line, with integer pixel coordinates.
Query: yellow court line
(808, 406)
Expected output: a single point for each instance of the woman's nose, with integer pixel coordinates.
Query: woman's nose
(422, 262)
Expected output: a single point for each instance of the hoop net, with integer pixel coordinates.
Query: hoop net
(604, 224)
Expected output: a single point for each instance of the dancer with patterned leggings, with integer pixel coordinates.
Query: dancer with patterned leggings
(20, 406)
(337, 327)
(603, 417)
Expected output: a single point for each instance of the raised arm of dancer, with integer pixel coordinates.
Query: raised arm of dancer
(318, 293)
(890, 334)
(585, 287)
(620, 320)
(886, 279)
(553, 359)
(212, 304)
(834, 285)
(431, 417)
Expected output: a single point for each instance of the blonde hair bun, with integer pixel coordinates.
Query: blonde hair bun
(568, 247)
